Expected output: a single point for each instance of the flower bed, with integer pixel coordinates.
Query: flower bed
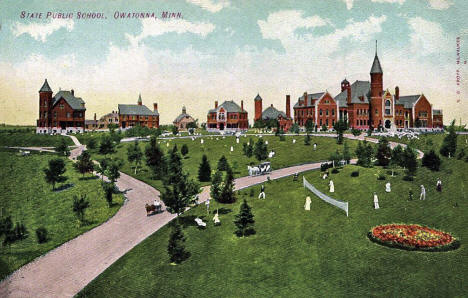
(413, 237)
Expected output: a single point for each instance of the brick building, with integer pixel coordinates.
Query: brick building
(183, 120)
(228, 116)
(62, 113)
(271, 113)
(133, 115)
(103, 122)
(320, 108)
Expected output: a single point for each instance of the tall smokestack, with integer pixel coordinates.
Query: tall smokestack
(397, 93)
(348, 94)
(288, 106)
(155, 106)
(242, 105)
(72, 92)
(305, 99)
(94, 116)
(216, 104)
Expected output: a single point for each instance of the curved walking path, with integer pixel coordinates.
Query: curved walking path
(66, 270)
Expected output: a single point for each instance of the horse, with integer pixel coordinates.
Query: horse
(253, 170)
(152, 209)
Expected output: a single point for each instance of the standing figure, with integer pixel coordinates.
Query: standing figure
(207, 203)
(262, 192)
(332, 186)
(315, 146)
(376, 201)
(422, 196)
(307, 204)
(388, 187)
(216, 219)
(439, 184)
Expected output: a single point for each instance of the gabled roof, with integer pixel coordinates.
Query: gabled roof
(182, 116)
(407, 101)
(258, 97)
(310, 97)
(358, 89)
(136, 110)
(45, 87)
(229, 107)
(272, 113)
(376, 68)
(75, 103)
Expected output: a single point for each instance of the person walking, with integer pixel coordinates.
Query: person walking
(422, 196)
(388, 187)
(332, 186)
(376, 201)
(439, 184)
(307, 204)
(207, 204)
(262, 192)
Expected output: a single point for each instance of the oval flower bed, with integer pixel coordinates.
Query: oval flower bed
(413, 237)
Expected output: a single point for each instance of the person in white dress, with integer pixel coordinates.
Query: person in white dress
(332, 186)
(376, 201)
(307, 204)
(422, 196)
(216, 219)
(315, 146)
(388, 187)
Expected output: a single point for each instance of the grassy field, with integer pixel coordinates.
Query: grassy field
(287, 154)
(28, 137)
(27, 198)
(317, 253)
(429, 141)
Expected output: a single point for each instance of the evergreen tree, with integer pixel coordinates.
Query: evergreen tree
(155, 158)
(175, 130)
(91, 144)
(248, 148)
(112, 170)
(261, 150)
(309, 126)
(216, 185)
(307, 140)
(384, 152)
(174, 166)
(336, 157)
(227, 193)
(79, 207)
(244, 221)
(346, 153)
(62, 147)
(184, 150)
(108, 191)
(369, 154)
(294, 128)
(54, 173)
(223, 164)
(449, 145)
(398, 156)
(340, 128)
(84, 163)
(410, 161)
(134, 155)
(204, 171)
(106, 145)
(176, 248)
(180, 194)
(431, 160)
(102, 167)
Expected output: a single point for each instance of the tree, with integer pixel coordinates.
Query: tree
(294, 128)
(112, 170)
(180, 194)
(216, 185)
(91, 144)
(79, 207)
(340, 128)
(398, 156)
(204, 171)
(227, 193)
(176, 248)
(346, 152)
(324, 128)
(174, 166)
(244, 221)
(384, 152)
(108, 189)
(134, 155)
(356, 132)
(175, 130)
(155, 158)
(431, 160)
(84, 163)
(261, 150)
(336, 157)
(223, 164)
(54, 174)
(449, 145)
(62, 147)
(307, 140)
(410, 161)
(106, 146)
(184, 150)
(309, 126)
(247, 148)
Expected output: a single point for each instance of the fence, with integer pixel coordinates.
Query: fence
(339, 204)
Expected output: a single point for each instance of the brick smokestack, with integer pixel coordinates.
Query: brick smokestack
(304, 102)
(288, 106)
(94, 116)
(242, 105)
(155, 106)
(348, 94)
(73, 92)
(216, 104)
(397, 93)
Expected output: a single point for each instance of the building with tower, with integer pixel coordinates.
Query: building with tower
(131, 115)
(228, 116)
(271, 113)
(183, 120)
(62, 113)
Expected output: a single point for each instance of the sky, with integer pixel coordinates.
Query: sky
(228, 50)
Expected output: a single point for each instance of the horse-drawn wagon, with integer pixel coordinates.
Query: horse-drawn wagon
(261, 169)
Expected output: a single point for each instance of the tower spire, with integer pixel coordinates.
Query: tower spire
(376, 47)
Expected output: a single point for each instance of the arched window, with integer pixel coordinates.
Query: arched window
(388, 107)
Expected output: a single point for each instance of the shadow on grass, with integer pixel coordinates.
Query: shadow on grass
(88, 178)
(64, 187)
(189, 220)
(222, 210)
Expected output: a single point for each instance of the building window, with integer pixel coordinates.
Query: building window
(321, 113)
(376, 112)
(55, 114)
(320, 122)
(422, 114)
(388, 107)
(68, 115)
(333, 112)
(61, 106)
(326, 112)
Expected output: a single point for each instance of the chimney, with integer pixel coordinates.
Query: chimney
(305, 99)
(155, 106)
(216, 104)
(348, 94)
(94, 113)
(397, 93)
(288, 106)
(242, 105)
(271, 105)
(73, 92)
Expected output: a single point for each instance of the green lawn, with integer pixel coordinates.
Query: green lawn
(287, 154)
(320, 253)
(27, 198)
(429, 141)
(27, 137)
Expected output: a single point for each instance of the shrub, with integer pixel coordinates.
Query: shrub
(461, 154)
(252, 192)
(184, 150)
(324, 128)
(355, 132)
(335, 171)
(282, 138)
(381, 177)
(408, 178)
(41, 234)
(431, 161)
(307, 140)
(355, 174)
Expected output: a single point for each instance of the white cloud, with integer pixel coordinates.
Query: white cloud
(427, 37)
(349, 3)
(440, 4)
(40, 31)
(151, 27)
(210, 5)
